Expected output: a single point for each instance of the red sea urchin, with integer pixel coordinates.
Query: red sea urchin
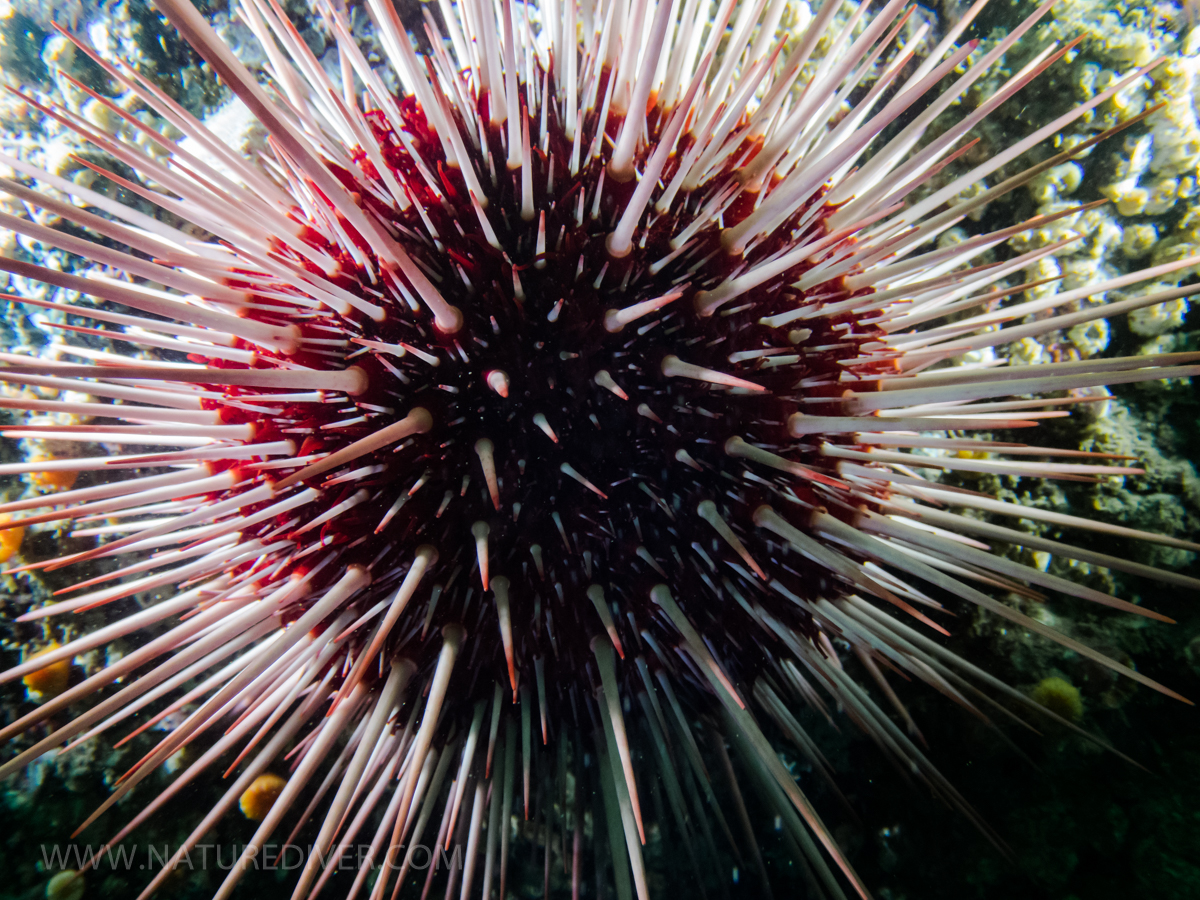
(520, 405)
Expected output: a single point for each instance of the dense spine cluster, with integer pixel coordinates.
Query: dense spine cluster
(568, 406)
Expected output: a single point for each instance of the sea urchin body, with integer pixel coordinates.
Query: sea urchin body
(548, 414)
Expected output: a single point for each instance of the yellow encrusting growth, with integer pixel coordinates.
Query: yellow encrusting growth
(258, 799)
(49, 681)
(52, 479)
(65, 885)
(1060, 697)
(10, 539)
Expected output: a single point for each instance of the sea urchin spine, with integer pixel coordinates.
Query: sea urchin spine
(520, 429)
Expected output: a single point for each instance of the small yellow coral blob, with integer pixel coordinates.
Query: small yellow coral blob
(1060, 697)
(49, 681)
(257, 799)
(10, 538)
(52, 479)
(66, 885)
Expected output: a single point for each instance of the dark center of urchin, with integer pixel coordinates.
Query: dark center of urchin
(603, 451)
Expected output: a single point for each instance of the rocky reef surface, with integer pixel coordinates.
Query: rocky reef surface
(1078, 822)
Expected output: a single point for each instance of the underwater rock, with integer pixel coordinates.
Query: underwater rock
(1136, 226)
